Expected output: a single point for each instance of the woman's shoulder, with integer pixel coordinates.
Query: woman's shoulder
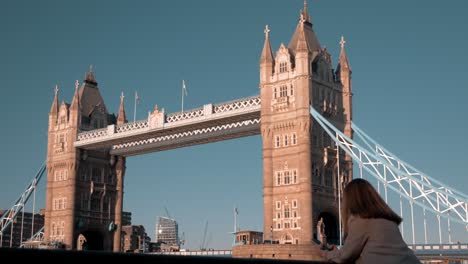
(358, 220)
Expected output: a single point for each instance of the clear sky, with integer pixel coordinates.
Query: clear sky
(409, 82)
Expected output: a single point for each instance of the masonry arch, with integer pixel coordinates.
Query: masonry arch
(91, 240)
(331, 227)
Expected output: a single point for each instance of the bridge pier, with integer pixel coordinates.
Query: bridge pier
(120, 173)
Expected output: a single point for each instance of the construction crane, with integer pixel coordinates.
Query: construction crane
(167, 213)
(182, 239)
(203, 246)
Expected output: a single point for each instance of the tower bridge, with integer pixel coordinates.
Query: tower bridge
(309, 142)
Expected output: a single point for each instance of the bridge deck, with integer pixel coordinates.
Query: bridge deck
(160, 132)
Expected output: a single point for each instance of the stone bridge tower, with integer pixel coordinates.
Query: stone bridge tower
(300, 178)
(84, 188)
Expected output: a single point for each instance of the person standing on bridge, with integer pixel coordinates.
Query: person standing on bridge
(370, 228)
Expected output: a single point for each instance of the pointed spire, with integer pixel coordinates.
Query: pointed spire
(90, 78)
(304, 14)
(267, 53)
(343, 60)
(55, 104)
(342, 42)
(76, 98)
(121, 117)
(301, 45)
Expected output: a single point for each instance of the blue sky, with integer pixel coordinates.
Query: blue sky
(408, 60)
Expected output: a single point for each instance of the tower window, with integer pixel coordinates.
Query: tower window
(283, 91)
(328, 178)
(97, 175)
(278, 178)
(84, 201)
(314, 67)
(294, 203)
(62, 228)
(294, 176)
(286, 212)
(95, 204)
(278, 205)
(294, 139)
(275, 93)
(278, 141)
(287, 178)
(283, 67)
(54, 229)
(286, 140)
(292, 90)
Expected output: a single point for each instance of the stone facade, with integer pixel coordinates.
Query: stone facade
(133, 238)
(299, 159)
(84, 188)
(275, 251)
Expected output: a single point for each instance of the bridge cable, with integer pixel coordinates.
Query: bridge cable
(404, 174)
(10, 215)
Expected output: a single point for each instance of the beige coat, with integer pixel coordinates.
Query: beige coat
(373, 240)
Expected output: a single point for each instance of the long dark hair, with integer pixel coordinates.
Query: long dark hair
(361, 199)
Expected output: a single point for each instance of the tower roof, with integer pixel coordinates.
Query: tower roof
(267, 53)
(90, 97)
(304, 30)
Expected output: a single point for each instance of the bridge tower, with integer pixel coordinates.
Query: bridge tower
(84, 187)
(300, 178)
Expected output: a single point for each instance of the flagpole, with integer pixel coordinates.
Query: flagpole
(183, 84)
(134, 109)
(235, 224)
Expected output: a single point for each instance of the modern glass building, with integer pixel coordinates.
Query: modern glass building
(167, 231)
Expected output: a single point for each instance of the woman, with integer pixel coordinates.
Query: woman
(371, 229)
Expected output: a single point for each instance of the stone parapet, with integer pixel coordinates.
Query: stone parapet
(277, 251)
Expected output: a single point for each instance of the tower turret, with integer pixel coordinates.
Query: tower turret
(267, 62)
(343, 73)
(75, 108)
(121, 117)
(302, 49)
(54, 109)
